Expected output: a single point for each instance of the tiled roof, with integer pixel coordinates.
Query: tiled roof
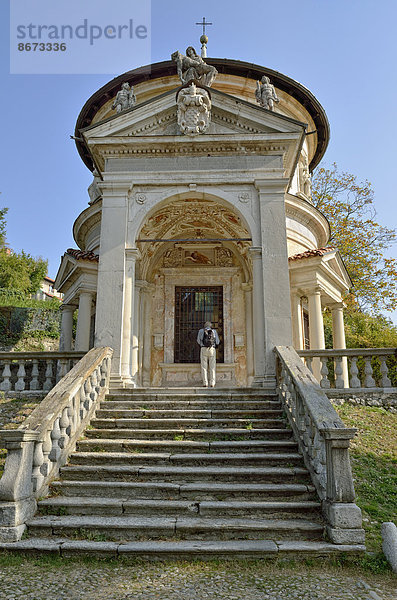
(81, 255)
(311, 253)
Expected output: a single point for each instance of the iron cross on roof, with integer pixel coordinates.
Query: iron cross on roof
(204, 23)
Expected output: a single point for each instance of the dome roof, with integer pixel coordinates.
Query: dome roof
(167, 69)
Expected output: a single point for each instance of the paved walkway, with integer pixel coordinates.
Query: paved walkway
(29, 580)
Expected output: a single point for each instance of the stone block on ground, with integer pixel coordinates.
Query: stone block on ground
(389, 543)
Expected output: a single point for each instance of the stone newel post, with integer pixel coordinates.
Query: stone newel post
(17, 502)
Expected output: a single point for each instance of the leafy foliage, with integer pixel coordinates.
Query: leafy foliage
(363, 330)
(361, 240)
(19, 271)
(3, 212)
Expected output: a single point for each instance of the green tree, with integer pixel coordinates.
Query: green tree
(361, 240)
(19, 271)
(3, 212)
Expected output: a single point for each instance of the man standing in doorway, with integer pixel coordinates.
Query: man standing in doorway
(208, 339)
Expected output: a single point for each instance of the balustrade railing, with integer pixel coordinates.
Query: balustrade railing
(354, 368)
(34, 371)
(42, 444)
(323, 441)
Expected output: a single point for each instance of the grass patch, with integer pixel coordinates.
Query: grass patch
(374, 463)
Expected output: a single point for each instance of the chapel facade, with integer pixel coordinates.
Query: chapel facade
(200, 209)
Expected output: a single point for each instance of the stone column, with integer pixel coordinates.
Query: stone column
(249, 345)
(316, 328)
(297, 325)
(127, 339)
(258, 317)
(339, 340)
(277, 306)
(136, 333)
(147, 333)
(65, 342)
(84, 321)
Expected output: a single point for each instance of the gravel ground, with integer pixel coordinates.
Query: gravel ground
(31, 580)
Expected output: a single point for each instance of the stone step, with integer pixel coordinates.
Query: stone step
(214, 434)
(125, 445)
(136, 413)
(178, 474)
(183, 459)
(188, 394)
(188, 423)
(133, 528)
(197, 491)
(184, 550)
(190, 405)
(92, 505)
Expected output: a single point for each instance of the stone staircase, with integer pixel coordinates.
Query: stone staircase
(182, 473)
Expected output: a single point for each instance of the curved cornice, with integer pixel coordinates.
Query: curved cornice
(305, 213)
(225, 66)
(86, 220)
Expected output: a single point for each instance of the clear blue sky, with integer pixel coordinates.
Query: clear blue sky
(344, 51)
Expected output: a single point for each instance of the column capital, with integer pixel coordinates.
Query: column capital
(314, 291)
(336, 306)
(247, 286)
(132, 253)
(68, 307)
(255, 252)
(272, 186)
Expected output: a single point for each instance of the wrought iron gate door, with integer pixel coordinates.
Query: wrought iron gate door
(194, 306)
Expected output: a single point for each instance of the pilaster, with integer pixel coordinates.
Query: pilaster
(276, 286)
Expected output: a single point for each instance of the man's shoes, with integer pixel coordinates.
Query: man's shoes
(212, 385)
(205, 385)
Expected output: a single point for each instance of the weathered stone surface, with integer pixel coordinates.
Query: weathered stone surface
(389, 543)
(11, 534)
(346, 536)
(344, 516)
(88, 548)
(16, 513)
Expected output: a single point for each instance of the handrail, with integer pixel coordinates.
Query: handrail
(323, 441)
(42, 444)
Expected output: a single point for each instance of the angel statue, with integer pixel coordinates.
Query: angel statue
(125, 98)
(192, 66)
(265, 93)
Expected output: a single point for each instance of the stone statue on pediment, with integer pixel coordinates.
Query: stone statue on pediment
(265, 93)
(125, 98)
(192, 67)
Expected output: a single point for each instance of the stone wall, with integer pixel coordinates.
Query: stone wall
(378, 398)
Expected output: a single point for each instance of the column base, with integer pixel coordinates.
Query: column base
(267, 382)
(119, 381)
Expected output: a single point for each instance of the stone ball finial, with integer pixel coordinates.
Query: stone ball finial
(204, 39)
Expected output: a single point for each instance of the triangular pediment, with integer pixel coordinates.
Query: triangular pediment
(158, 116)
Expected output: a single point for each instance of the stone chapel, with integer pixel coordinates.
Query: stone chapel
(200, 209)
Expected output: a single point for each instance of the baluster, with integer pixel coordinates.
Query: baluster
(87, 390)
(20, 383)
(72, 415)
(354, 381)
(55, 436)
(5, 385)
(82, 401)
(38, 461)
(34, 384)
(309, 363)
(93, 383)
(62, 368)
(324, 383)
(48, 376)
(339, 383)
(46, 448)
(384, 370)
(369, 380)
(63, 425)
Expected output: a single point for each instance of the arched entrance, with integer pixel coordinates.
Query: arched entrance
(194, 260)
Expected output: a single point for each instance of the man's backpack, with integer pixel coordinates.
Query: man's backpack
(208, 338)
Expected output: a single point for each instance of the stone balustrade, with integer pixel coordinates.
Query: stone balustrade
(353, 368)
(42, 444)
(324, 443)
(34, 371)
